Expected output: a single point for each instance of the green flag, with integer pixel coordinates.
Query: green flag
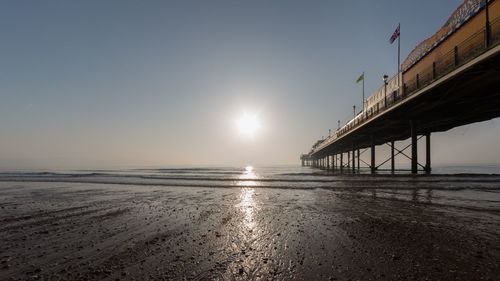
(361, 78)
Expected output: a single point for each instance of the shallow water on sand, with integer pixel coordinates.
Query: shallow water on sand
(453, 186)
(278, 223)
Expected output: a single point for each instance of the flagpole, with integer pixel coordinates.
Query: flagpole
(399, 55)
(363, 91)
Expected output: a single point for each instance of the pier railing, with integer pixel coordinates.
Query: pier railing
(464, 52)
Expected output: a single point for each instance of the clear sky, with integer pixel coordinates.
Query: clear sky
(162, 83)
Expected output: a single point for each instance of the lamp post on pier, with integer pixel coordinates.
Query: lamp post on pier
(385, 77)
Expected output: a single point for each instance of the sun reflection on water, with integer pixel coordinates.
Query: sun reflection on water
(248, 178)
(247, 203)
(247, 206)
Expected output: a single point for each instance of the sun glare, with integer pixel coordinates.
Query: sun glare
(248, 124)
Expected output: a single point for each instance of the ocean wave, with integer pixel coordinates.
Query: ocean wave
(258, 184)
(460, 178)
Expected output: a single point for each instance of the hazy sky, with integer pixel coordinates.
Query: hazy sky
(161, 83)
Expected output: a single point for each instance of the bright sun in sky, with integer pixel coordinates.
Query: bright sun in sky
(248, 124)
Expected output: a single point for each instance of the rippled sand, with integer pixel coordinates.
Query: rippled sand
(82, 231)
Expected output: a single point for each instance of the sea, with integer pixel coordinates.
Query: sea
(457, 186)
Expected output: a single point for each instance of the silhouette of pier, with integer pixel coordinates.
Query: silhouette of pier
(438, 93)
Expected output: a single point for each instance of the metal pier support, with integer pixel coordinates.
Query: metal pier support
(353, 160)
(392, 157)
(372, 164)
(414, 149)
(334, 161)
(341, 161)
(428, 153)
(358, 160)
(328, 162)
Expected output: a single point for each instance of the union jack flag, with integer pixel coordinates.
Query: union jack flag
(395, 35)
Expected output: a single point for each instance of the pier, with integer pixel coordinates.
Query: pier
(438, 93)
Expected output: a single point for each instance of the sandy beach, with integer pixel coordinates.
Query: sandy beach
(81, 231)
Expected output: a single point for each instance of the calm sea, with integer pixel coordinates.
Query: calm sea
(459, 186)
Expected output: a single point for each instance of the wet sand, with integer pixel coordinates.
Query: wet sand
(81, 231)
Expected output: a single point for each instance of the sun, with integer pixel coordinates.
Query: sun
(248, 124)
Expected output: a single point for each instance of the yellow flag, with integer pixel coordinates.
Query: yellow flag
(361, 78)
